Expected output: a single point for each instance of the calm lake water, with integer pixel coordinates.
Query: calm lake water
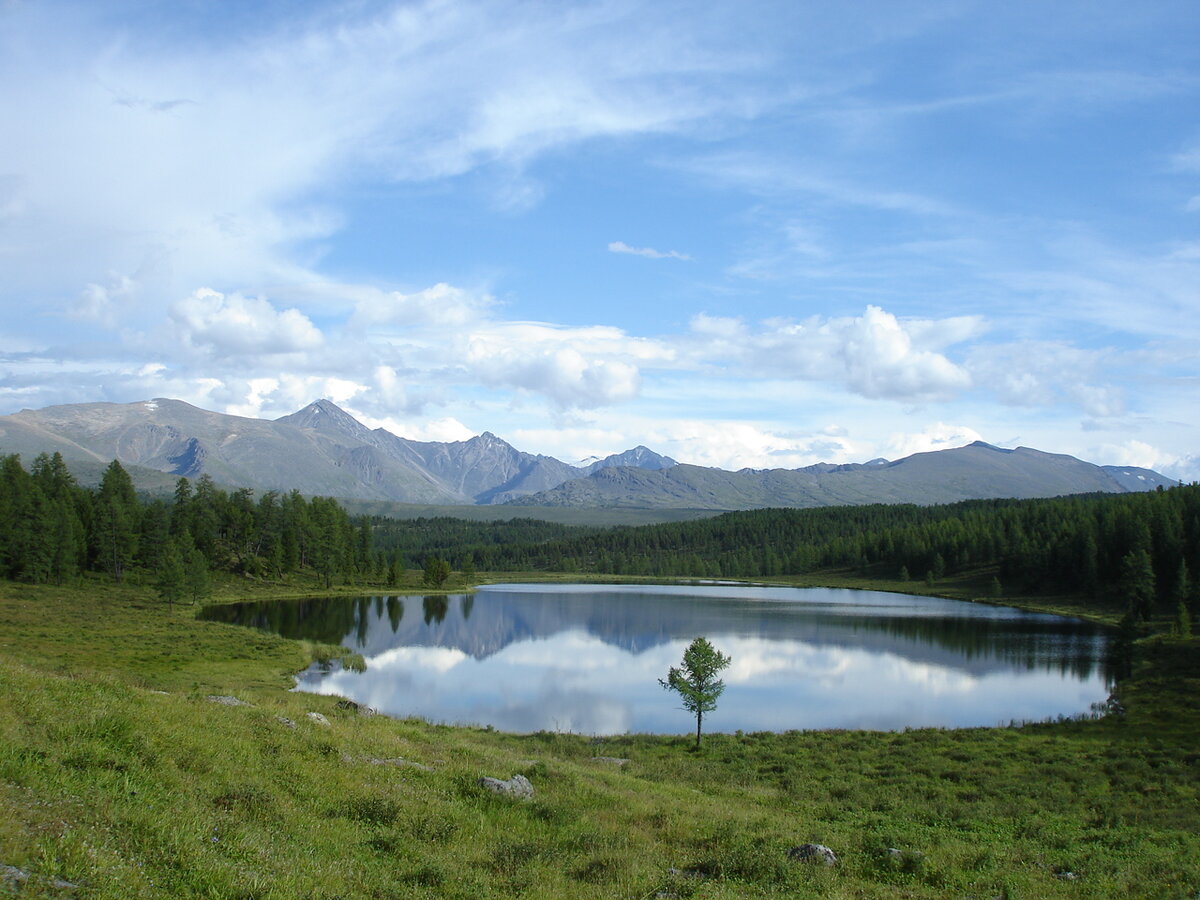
(587, 658)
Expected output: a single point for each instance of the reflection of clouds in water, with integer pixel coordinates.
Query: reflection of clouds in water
(575, 682)
(437, 659)
(594, 667)
(566, 711)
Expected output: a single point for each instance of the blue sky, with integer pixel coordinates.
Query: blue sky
(744, 234)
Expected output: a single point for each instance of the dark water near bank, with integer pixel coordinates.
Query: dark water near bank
(587, 658)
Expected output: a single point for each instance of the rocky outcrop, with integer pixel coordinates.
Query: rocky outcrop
(813, 853)
(518, 786)
(225, 700)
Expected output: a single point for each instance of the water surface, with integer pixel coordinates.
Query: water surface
(587, 658)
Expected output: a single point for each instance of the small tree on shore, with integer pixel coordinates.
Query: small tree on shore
(437, 570)
(696, 680)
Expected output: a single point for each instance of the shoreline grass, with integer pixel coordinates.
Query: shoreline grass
(128, 792)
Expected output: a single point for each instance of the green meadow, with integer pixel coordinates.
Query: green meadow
(121, 778)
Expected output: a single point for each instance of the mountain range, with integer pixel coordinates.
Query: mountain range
(322, 450)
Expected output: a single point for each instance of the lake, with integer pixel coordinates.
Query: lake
(587, 658)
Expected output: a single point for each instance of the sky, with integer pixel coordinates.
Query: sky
(749, 233)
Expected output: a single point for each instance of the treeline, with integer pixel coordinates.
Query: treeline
(1140, 547)
(51, 529)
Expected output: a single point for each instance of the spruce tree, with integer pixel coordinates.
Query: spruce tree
(116, 513)
(170, 578)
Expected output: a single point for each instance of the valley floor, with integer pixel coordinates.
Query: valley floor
(124, 773)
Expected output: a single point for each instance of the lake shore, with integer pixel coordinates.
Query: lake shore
(129, 792)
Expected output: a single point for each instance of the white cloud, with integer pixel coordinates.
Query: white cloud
(105, 304)
(233, 325)
(938, 436)
(875, 354)
(441, 306)
(573, 367)
(648, 252)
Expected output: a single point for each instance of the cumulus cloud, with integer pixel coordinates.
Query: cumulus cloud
(562, 374)
(875, 354)
(440, 305)
(573, 367)
(233, 325)
(647, 252)
(104, 304)
(1051, 373)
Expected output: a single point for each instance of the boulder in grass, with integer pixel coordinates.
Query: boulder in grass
(14, 880)
(225, 700)
(318, 719)
(813, 853)
(359, 708)
(518, 786)
(611, 760)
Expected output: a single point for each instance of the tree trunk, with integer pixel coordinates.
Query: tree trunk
(699, 716)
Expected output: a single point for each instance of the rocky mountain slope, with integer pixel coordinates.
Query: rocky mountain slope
(322, 450)
(944, 476)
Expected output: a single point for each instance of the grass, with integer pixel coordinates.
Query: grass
(117, 773)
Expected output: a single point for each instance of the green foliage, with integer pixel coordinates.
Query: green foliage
(196, 580)
(117, 515)
(170, 582)
(437, 570)
(1137, 583)
(696, 681)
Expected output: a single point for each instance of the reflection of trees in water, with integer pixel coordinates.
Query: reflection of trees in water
(363, 621)
(636, 622)
(395, 611)
(1073, 648)
(326, 620)
(436, 606)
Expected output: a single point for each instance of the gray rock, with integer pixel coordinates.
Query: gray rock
(318, 719)
(225, 701)
(14, 879)
(399, 762)
(614, 760)
(813, 853)
(284, 720)
(357, 707)
(518, 786)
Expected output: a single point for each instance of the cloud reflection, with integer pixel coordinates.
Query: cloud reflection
(588, 660)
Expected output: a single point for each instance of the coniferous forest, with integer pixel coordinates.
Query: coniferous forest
(1138, 549)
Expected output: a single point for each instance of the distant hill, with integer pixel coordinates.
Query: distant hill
(976, 471)
(322, 450)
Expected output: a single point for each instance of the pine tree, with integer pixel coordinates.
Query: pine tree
(117, 515)
(170, 579)
(437, 570)
(195, 575)
(1137, 583)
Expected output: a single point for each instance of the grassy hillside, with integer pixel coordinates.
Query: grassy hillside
(119, 774)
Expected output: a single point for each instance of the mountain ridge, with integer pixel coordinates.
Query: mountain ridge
(323, 450)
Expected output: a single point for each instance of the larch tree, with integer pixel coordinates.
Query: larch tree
(696, 680)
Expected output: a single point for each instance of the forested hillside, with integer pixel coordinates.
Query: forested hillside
(1140, 549)
(1143, 547)
(51, 529)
